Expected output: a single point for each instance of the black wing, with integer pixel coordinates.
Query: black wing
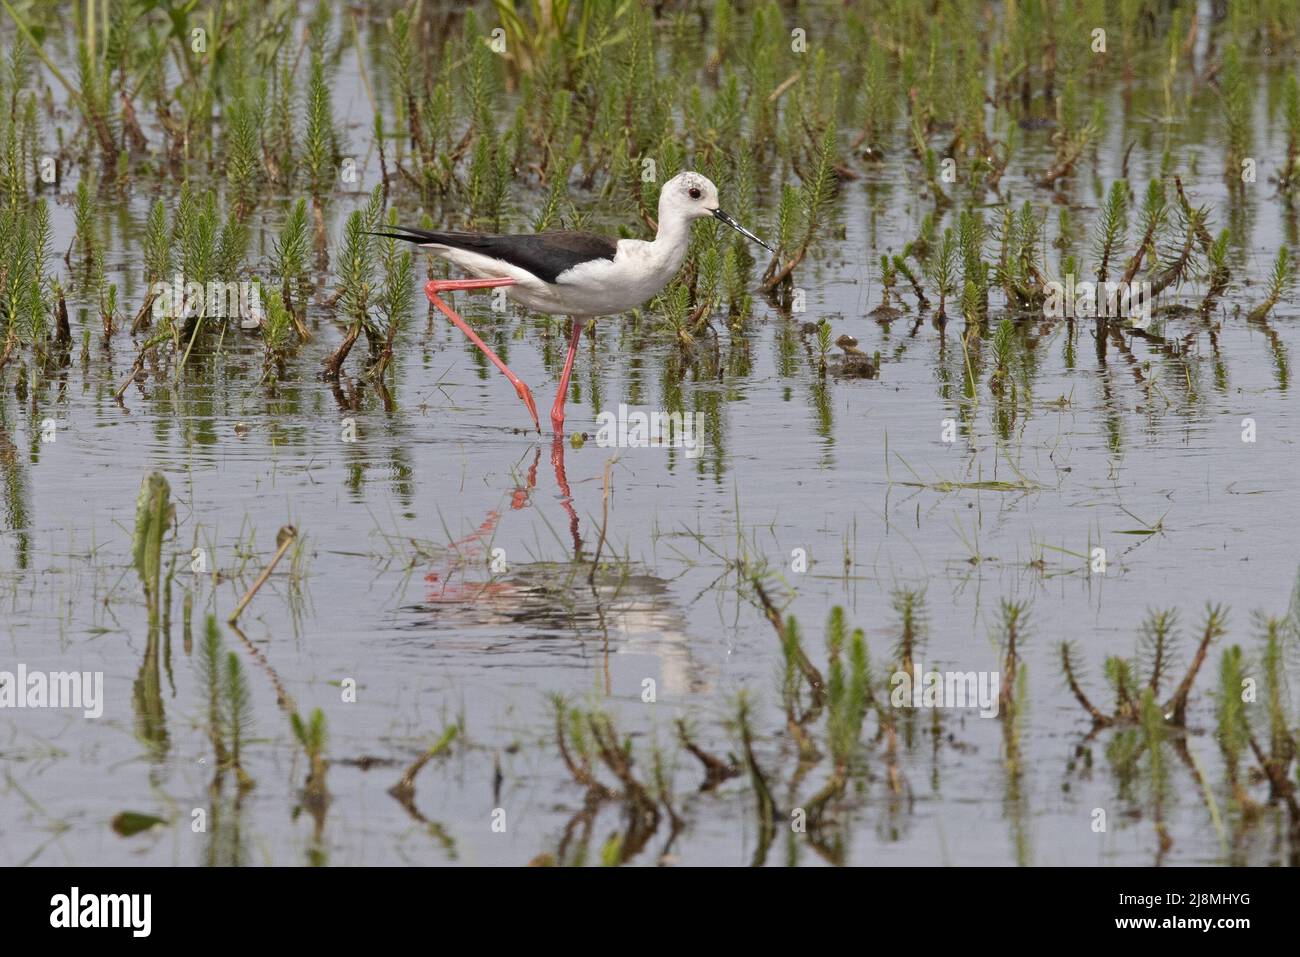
(545, 255)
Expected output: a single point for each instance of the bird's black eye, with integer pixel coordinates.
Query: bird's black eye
(694, 192)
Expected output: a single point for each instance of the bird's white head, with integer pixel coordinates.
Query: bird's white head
(689, 196)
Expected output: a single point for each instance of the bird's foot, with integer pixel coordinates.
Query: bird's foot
(527, 396)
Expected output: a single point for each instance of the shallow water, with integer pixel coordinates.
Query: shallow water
(393, 588)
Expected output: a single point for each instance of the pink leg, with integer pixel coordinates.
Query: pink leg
(557, 410)
(435, 286)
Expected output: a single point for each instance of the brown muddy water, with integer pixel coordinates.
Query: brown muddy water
(441, 575)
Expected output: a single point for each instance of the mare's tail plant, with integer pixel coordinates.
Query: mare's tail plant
(311, 735)
(1149, 671)
(942, 271)
(153, 513)
(1111, 228)
(1013, 618)
(1280, 280)
(356, 282)
(229, 700)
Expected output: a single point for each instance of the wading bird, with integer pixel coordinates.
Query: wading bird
(582, 275)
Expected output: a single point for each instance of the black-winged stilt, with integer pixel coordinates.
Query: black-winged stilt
(582, 275)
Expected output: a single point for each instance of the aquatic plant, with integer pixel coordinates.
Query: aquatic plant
(1280, 279)
(765, 805)
(278, 336)
(583, 738)
(312, 738)
(404, 789)
(24, 307)
(876, 105)
(154, 512)
(244, 120)
(1071, 138)
(814, 199)
(1151, 220)
(1003, 352)
(318, 150)
(942, 270)
(1235, 95)
(356, 282)
(289, 262)
(901, 267)
(848, 694)
(971, 235)
(1232, 725)
(888, 279)
(229, 701)
(1011, 634)
(1111, 227)
(1158, 641)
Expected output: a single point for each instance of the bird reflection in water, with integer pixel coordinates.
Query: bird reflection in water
(631, 611)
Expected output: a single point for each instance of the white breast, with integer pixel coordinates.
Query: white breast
(602, 287)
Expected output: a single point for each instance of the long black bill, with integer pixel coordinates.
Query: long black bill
(723, 217)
